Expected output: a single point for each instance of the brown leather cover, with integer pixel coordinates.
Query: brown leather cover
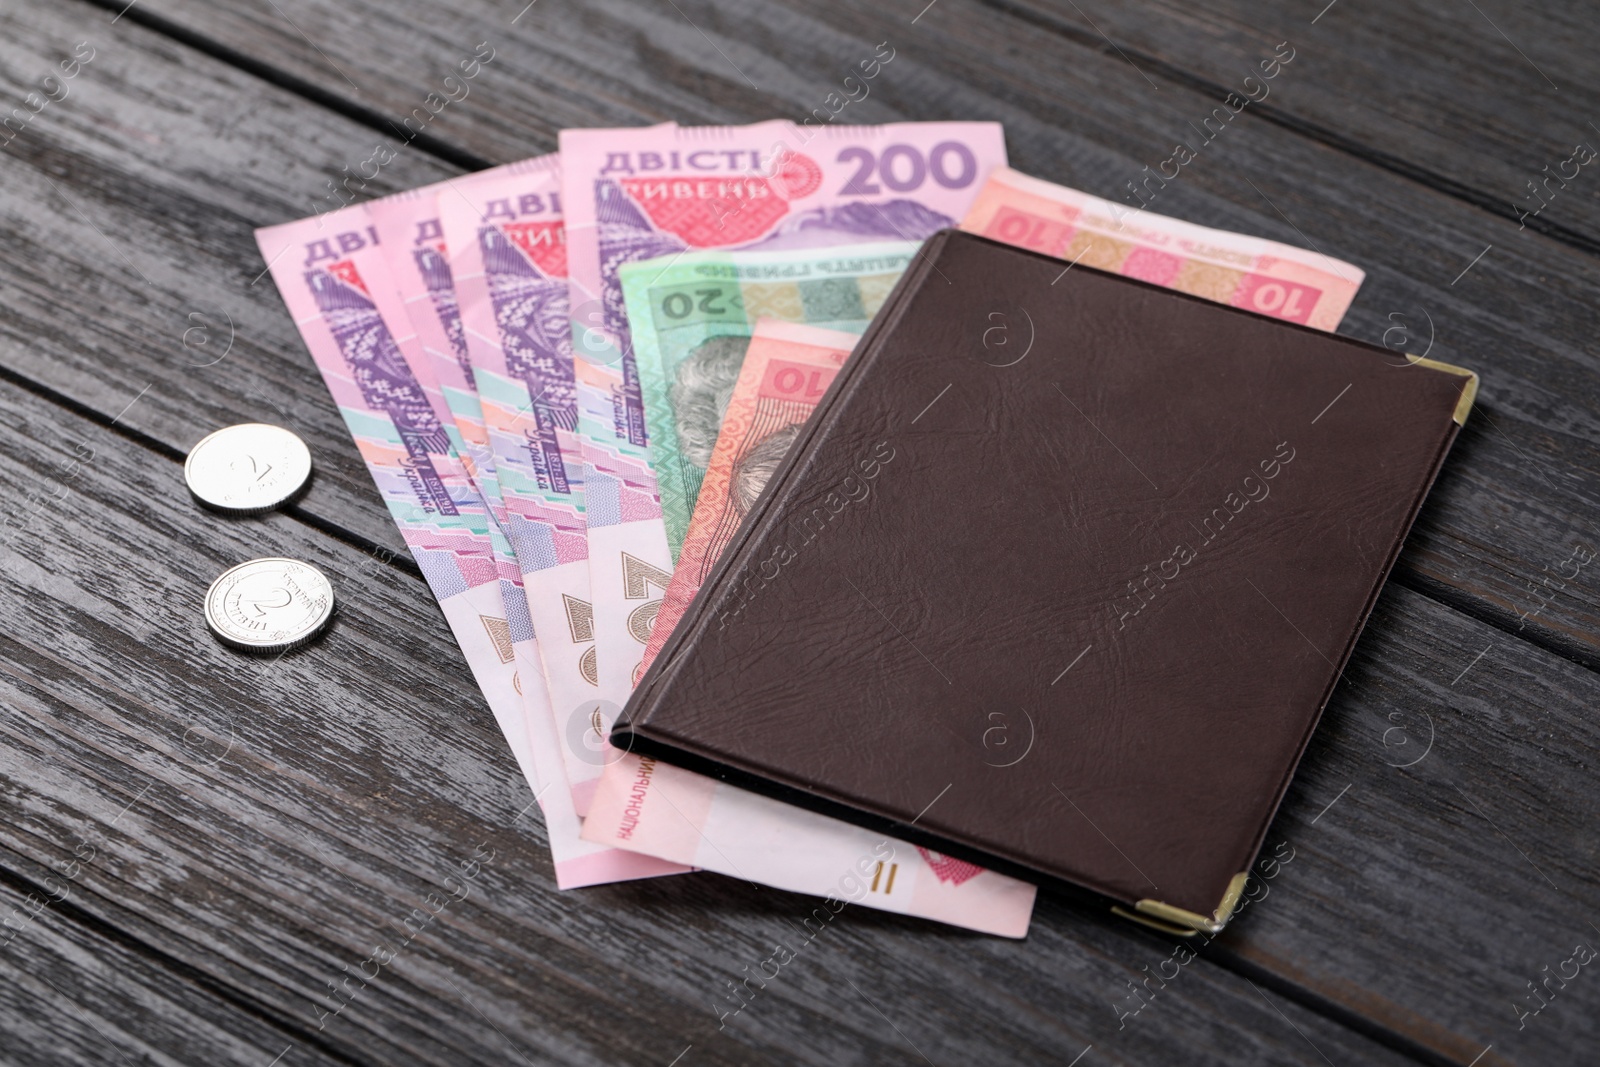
(1058, 577)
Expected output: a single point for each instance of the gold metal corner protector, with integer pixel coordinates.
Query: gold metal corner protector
(1184, 923)
(1469, 392)
(1154, 924)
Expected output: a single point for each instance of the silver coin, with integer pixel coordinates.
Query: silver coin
(249, 468)
(269, 605)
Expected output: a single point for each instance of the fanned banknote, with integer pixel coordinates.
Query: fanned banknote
(407, 225)
(1230, 268)
(691, 317)
(348, 311)
(508, 258)
(635, 194)
(430, 289)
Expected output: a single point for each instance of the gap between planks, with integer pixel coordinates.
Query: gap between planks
(178, 968)
(1302, 128)
(1168, 72)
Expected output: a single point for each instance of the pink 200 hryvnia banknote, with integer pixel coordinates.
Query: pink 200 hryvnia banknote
(1230, 268)
(508, 258)
(349, 311)
(634, 194)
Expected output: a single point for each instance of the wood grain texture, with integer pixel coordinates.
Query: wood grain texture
(1444, 820)
(1521, 491)
(282, 817)
(264, 823)
(128, 269)
(1472, 99)
(1449, 95)
(73, 994)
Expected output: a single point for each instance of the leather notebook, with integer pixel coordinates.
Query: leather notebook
(1058, 577)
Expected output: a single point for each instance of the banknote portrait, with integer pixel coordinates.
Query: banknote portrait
(752, 470)
(700, 391)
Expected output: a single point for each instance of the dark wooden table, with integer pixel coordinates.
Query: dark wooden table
(197, 849)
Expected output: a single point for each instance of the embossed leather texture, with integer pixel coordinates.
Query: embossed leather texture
(1058, 577)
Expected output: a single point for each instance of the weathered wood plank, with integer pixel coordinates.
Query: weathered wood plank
(1440, 94)
(72, 995)
(1519, 494)
(128, 270)
(267, 823)
(1477, 100)
(1445, 826)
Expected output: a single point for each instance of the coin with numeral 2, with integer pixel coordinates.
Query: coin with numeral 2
(249, 468)
(269, 605)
